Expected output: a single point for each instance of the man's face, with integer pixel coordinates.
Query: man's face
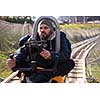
(44, 30)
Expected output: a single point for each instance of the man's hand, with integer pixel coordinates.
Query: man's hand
(45, 54)
(11, 63)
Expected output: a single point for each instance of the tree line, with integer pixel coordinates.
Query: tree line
(18, 19)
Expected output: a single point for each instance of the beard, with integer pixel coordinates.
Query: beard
(45, 36)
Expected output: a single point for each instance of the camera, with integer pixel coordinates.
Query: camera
(33, 48)
(36, 46)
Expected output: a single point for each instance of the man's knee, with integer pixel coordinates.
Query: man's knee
(66, 67)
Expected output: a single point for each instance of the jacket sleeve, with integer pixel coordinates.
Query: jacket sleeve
(65, 49)
(21, 53)
(23, 40)
(21, 56)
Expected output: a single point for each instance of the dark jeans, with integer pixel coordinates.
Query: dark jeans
(62, 69)
(66, 67)
(41, 77)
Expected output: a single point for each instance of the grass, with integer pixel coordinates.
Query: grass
(80, 26)
(4, 71)
(95, 71)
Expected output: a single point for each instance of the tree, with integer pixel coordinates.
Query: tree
(18, 19)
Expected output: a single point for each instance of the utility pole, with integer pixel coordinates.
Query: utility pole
(84, 19)
(75, 19)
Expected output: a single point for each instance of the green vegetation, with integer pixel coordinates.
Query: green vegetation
(94, 77)
(96, 72)
(94, 67)
(9, 35)
(18, 19)
(79, 32)
(4, 71)
(80, 26)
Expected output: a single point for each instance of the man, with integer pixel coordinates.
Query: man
(48, 62)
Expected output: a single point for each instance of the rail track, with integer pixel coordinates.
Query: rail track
(79, 54)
